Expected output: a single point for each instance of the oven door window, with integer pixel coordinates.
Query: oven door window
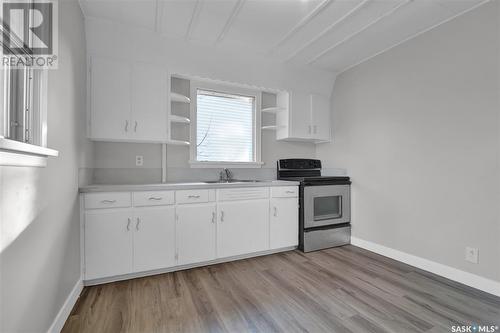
(327, 207)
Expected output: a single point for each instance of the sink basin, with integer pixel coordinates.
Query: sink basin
(232, 181)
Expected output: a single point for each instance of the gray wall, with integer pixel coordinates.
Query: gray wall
(115, 162)
(40, 261)
(417, 128)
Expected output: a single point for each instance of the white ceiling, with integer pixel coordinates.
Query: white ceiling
(328, 34)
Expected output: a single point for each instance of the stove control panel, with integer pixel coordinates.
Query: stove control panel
(299, 164)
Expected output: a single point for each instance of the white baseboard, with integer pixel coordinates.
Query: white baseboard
(65, 310)
(469, 279)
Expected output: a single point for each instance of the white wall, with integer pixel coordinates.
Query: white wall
(115, 162)
(40, 260)
(417, 128)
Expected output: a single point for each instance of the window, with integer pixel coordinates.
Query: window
(23, 114)
(226, 127)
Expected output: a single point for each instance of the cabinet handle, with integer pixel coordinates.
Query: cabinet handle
(108, 201)
(291, 192)
(275, 211)
(155, 198)
(309, 129)
(128, 224)
(315, 129)
(137, 225)
(135, 126)
(193, 196)
(222, 216)
(213, 217)
(126, 125)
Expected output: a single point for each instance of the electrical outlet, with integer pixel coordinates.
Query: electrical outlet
(139, 160)
(472, 254)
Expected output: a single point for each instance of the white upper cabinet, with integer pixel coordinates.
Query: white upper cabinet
(306, 117)
(110, 83)
(320, 117)
(150, 87)
(128, 102)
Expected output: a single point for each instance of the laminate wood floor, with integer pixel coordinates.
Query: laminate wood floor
(345, 289)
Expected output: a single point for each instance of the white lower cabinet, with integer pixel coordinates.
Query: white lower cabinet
(195, 233)
(154, 238)
(147, 234)
(284, 224)
(243, 227)
(108, 243)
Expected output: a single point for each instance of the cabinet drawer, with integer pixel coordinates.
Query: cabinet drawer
(107, 200)
(191, 196)
(243, 193)
(153, 198)
(285, 192)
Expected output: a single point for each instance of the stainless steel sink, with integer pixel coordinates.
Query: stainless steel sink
(232, 181)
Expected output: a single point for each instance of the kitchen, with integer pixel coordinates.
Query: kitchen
(254, 166)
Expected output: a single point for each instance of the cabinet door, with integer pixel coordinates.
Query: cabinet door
(154, 238)
(110, 99)
(300, 115)
(321, 117)
(284, 228)
(149, 103)
(243, 227)
(108, 243)
(195, 233)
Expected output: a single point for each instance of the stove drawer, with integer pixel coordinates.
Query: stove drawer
(325, 238)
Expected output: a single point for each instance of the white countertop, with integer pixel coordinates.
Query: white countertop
(182, 186)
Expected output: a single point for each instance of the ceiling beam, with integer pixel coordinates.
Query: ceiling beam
(413, 36)
(354, 34)
(315, 12)
(194, 19)
(230, 20)
(328, 29)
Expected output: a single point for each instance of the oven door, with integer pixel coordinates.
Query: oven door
(326, 205)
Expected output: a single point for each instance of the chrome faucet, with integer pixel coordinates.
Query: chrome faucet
(225, 175)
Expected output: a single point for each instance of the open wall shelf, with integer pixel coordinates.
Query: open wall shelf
(175, 97)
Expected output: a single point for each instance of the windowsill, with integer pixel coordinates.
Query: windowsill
(15, 153)
(233, 165)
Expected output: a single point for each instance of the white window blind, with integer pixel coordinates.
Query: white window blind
(224, 127)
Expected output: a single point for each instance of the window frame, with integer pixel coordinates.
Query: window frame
(228, 89)
(34, 151)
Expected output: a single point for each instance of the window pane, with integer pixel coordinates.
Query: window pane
(225, 127)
